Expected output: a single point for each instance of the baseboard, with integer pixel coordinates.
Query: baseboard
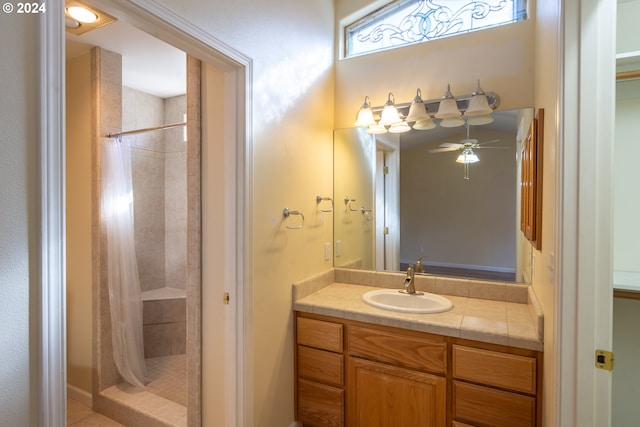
(80, 395)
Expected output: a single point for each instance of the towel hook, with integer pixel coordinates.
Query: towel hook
(286, 212)
(367, 213)
(348, 201)
(319, 199)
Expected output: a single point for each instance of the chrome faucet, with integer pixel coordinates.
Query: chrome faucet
(409, 282)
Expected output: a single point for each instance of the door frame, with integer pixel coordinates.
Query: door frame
(583, 269)
(164, 24)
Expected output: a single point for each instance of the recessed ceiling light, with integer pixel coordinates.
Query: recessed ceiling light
(69, 22)
(82, 14)
(86, 18)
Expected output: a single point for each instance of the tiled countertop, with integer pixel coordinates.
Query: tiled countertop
(498, 321)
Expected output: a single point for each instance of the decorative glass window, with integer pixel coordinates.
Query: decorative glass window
(405, 22)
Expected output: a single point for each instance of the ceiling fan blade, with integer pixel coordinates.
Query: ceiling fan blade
(491, 147)
(487, 142)
(442, 150)
(452, 144)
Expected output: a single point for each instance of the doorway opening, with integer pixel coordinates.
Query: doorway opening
(224, 73)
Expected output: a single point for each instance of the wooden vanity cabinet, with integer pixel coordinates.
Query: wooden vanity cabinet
(355, 374)
(495, 386)
(319, 362)
(395, 378)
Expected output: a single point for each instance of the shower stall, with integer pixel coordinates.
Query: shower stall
(146, 293)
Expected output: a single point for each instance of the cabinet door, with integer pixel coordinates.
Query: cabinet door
(320, 405)
(381, 395)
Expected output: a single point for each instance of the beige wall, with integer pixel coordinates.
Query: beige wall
(502, 58)
(290, 44)
(546, 94)
(19, 288)
(354, 164)
(79, 258)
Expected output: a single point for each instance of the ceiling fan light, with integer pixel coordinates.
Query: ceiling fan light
(467, 156)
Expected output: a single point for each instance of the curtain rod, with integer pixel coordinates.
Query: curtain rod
(131, 132)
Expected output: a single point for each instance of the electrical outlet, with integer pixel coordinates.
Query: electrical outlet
(327, 251)
(338, 248)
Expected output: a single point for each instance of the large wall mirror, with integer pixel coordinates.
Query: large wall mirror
(404, 198)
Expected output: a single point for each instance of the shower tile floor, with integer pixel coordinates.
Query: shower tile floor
(168, 377)
(79, 415)
(164, 397)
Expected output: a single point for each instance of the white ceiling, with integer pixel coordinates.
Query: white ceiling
(148, 64)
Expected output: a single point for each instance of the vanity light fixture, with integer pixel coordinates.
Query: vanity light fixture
(418, 114)
(448, 111)
(400, 127)
(452, 111)
(376, 129)
(365, 115)
(479, 112)
(390, 115)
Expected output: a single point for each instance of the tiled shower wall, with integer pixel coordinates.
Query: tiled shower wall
(158, 162)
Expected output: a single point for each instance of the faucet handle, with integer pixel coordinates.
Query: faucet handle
(410, 270)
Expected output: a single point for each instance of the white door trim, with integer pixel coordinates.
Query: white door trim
(52, 321)
(154, 19)
(584, 293)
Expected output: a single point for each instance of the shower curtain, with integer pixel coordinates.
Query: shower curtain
(122, 268)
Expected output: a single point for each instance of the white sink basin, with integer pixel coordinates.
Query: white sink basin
(393, 300)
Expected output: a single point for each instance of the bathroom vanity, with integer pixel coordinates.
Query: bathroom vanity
(477, 365)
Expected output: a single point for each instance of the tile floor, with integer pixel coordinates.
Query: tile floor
(79, 415)
(167, 380)
(168, 377)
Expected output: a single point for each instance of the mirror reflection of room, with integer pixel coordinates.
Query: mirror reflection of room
(448, 217)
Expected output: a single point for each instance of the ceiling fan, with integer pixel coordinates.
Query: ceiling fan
(467, 145)
(464, 144)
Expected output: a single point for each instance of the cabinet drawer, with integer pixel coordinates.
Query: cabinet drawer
(403, 350)
(459, 424)
(510, 371)
(319, 334)
(320, 404)
(492, 408)
(321, 366)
